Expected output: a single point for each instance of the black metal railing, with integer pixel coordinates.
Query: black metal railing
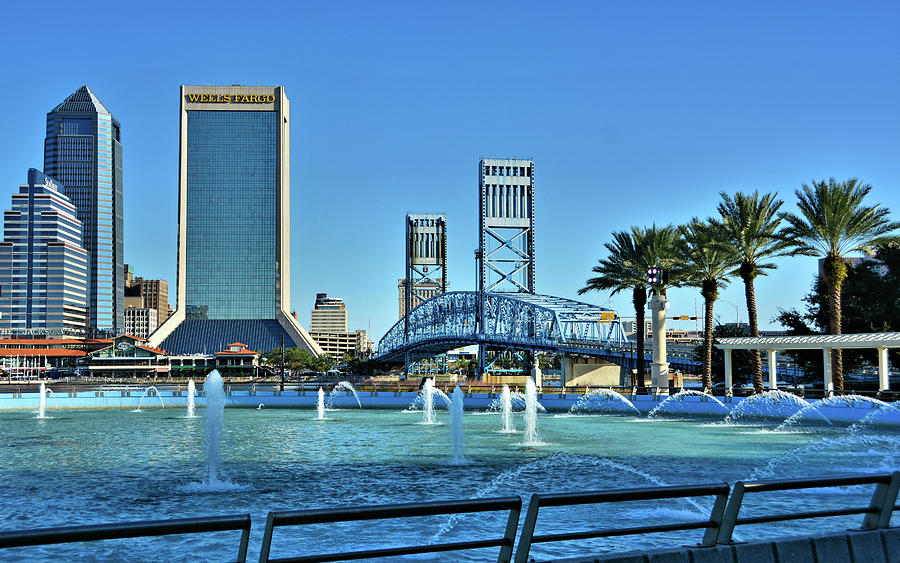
(538, 501)
(719, 525)
(350, 514)
(72, 534)
(877, 513)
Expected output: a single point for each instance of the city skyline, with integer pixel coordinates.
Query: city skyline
(631, 116)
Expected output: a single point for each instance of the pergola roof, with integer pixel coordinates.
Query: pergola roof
(811, 342)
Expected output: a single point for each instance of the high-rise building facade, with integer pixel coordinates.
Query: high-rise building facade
(43, 266)
(233, 223)
(83, 151)
(146, 293)
(328, 315)
(140, 321)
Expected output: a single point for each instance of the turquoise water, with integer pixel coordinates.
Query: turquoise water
(85, 467)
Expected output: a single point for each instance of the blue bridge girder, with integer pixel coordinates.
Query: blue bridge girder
(519, 321)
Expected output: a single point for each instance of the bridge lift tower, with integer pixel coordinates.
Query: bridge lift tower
(505, 255)
(426, 276)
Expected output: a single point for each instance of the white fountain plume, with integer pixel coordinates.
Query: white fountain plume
(345, 385)
(668, 406)
(531, 435)
(191, 390)
(320, 409)
(42, 405)
(158, 396)
(428, 397)
(612, 402)
(506, 410)
(456, 416)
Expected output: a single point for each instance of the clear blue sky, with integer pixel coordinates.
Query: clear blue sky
(633, 111)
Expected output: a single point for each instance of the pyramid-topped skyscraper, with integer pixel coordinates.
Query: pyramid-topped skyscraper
(83, 151)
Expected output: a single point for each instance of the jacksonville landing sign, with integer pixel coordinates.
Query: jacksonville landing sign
(231, 98)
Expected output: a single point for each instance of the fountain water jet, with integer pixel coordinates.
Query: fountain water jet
(516, 401)
(506, 410)
(428, 398)
(42, 405)
(191, 389)
(531, 435)
(620, 404)
(346, 386)
(828, 402)
(320, 406)
(456, 416)
(661, 408)
(158, 396)
(771, 405)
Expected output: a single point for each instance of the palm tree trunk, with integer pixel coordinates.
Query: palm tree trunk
(639, 298)
(834, 317)
(709, 299)
(755, 358)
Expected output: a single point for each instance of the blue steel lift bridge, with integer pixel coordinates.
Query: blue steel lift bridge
(505, 321)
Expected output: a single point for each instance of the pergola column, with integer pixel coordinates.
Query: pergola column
(884, 382)
(826, 361)
(727, 369)
(772, 378)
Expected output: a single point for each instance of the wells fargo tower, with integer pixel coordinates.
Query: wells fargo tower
(233, 223)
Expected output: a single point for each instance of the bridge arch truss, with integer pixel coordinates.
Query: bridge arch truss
(517, 321)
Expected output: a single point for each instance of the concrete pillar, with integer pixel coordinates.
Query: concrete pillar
(659, 367)
(772, 376)
(568, 371)
(826, 360)
(884, 382)
(536, 375)
(728, 377)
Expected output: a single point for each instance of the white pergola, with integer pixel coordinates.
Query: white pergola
(880, 341)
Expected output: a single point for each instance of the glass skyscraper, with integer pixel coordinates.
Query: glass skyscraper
(233, 224)
(43, 266)
(83, 150)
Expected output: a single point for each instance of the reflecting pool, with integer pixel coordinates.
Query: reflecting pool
(95, 466)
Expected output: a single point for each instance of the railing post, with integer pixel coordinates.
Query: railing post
(729, 518)
(524, 545)
(242, 547)
(512, 524)
(883, 500)
(716, 515)
(267, 538)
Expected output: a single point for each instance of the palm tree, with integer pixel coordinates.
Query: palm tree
(630, 255)
(708, 263)
(751, 226)
(623, 270)
(832, 223)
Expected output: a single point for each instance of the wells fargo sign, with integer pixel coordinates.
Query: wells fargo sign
(231, 98)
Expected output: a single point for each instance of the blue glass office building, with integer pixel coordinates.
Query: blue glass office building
(83, 151)
(233, 240)
(43, 266)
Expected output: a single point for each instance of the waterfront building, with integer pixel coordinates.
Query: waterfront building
(43, 265)
(328, 315)
(83, 151)
(140, 321)
(233, 276)
(336, 344)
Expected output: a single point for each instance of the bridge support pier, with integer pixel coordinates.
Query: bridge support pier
(591, 371)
